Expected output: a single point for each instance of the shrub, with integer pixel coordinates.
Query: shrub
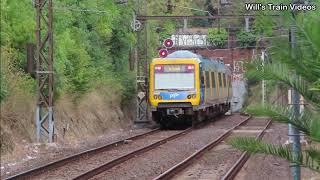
(246, 39)
(3, 87)
(217, 37)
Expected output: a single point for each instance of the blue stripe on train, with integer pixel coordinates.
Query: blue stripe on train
(174, 95)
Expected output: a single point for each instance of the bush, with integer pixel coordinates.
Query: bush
(166, 30)
(246, 39)
(128, 88)
(3, 87)
(217, 37)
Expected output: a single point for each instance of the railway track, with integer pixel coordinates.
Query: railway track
(108, 165)
(98, 161)
(158, 160)
(231, 174)
(234, 170)
(83, 155)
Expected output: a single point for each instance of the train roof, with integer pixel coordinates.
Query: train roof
(207, 64)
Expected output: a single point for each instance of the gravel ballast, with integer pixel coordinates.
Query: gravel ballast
(38, 155)
(155, 162)
(215, 163)
(73, 169)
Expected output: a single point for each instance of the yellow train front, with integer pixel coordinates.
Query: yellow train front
(187, 87)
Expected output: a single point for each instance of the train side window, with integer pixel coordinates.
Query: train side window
(213, 80)
(220, 80)
(224, 80)
(201, 79)
(207, 79)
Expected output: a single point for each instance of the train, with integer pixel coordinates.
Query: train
(188, 86)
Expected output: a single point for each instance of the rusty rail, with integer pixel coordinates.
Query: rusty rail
(179, 167)
(64, 161)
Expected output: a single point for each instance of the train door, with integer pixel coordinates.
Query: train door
(213, 86)
(201, 85)
(230, 88)
(207, 86)
(220, 90)
(225, 90)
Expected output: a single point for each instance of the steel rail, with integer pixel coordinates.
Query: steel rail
(179, 167)
(112, 163)
(232, 173)
(72, 158)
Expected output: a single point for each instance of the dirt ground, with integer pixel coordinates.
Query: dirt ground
(34, 155)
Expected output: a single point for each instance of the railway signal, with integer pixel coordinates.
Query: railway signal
(163, 53)
(168, 43)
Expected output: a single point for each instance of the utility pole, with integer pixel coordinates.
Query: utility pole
(44, 70)
(263, 81)
(142, 70)
(247, 23)
(294, 134)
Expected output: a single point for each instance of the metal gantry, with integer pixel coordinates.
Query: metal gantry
(44, 70)
(142, 74)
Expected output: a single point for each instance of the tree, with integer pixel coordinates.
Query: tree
(305, 61)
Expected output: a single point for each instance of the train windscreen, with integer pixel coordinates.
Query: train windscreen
(175, 76)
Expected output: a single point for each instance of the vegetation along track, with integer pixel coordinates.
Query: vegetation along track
(179, 170)
(54, 167)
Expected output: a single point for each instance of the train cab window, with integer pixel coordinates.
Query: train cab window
(213, 80)
(220, 79)
(207, 79)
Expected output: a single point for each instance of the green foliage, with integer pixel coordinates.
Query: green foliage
(282, 72)
(167, 29)
(307, 122)
(304, 60)
(3, 86)
(128, 89)
(90, 48)
(309, 158)
(246, 39)
(217, 37)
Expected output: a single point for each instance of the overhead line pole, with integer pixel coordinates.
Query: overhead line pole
(142, 70)
(44, 71)
(294, 134)
(263, 81)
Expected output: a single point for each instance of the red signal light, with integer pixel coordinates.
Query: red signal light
(163, 53)
(168, 43)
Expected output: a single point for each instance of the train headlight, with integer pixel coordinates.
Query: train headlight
(160, 97)
(194, 96)
(155, 97)
(189, 96)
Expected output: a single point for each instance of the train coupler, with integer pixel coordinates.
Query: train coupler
(175, 111)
